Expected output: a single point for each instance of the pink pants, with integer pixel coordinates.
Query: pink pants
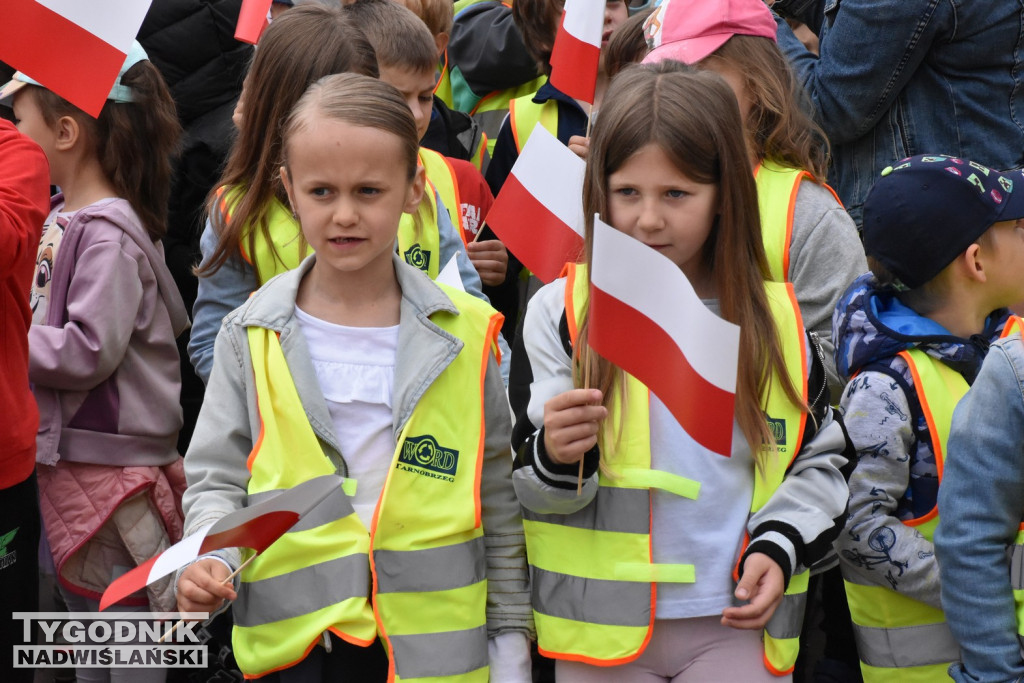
(698, 650)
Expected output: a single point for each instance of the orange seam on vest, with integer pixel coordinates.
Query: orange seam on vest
(936, 446)
(802, 335)
(789, 220)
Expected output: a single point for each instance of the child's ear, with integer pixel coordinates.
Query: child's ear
(441, 41)
(415, 194)
(286, 180)
(974, 263)
(68, 133)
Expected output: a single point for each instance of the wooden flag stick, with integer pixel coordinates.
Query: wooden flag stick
(225, 581)
(590, 120)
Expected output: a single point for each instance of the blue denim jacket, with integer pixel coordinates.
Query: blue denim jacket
(897, 78)
(982, 502)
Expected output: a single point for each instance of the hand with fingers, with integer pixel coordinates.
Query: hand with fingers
(201, 587)
(762, 585)
(580, 146)
(571, 422)
(490, 258)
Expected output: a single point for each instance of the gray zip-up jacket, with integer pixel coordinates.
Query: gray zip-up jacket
(229, 424)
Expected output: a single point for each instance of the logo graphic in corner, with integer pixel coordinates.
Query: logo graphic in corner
(7, 558)
(423, 455)
(417, 257)
(777, 428)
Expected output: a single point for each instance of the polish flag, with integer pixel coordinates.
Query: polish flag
(645, 317)
(252, 20)
(576, 54)
(539, 212)
(256, 527)
(73, 47)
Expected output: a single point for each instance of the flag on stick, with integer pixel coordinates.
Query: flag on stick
(539, 212)
(256, 527)
(252, 20)
(73, 47)
(645, 317)
(576, 54)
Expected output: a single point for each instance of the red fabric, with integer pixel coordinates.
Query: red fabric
(24, 203)
(474, 195)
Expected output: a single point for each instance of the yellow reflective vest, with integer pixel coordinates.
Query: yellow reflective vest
(900, 639)
(283, 247)
(777, 187)
(415, 578)
(524, 114)
(597, 603)
(442, 176)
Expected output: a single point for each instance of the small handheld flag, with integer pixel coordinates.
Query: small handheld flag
(670, 341)
(256, 527)
(539, 212)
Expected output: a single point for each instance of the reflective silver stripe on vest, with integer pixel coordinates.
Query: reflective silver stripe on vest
(450, 653)
(1017, 567)
(595, 601)
(334, 507)
(613, 509)
(307, 590)
(433, 569)
(906, 646)
(788, 620)
(490, 121)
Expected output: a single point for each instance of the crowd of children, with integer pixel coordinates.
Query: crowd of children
(515, 514)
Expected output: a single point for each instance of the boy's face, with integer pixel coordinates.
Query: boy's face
(417, 87)
(1004, 266)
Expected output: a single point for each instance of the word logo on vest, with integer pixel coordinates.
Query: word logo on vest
(417, 257)
(423, 455)
(777, 428)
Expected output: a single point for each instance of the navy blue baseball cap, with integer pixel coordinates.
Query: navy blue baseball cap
(926, 210)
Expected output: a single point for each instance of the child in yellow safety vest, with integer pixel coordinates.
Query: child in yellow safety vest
(251, 234)
(945, 243)
(356, 363)
(633, 577)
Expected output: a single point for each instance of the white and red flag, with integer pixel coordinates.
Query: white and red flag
(576, 55)
(645, 317)
(73, 47)
(539, 212)
(256, 527)
(252, 20)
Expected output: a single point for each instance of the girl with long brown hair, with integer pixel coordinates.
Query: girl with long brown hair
(634, 570)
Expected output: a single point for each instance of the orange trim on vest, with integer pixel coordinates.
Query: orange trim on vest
(513, 125)
(771, 669)
(444, 69)
(937, 448)
(789, 219)
(803, 364)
